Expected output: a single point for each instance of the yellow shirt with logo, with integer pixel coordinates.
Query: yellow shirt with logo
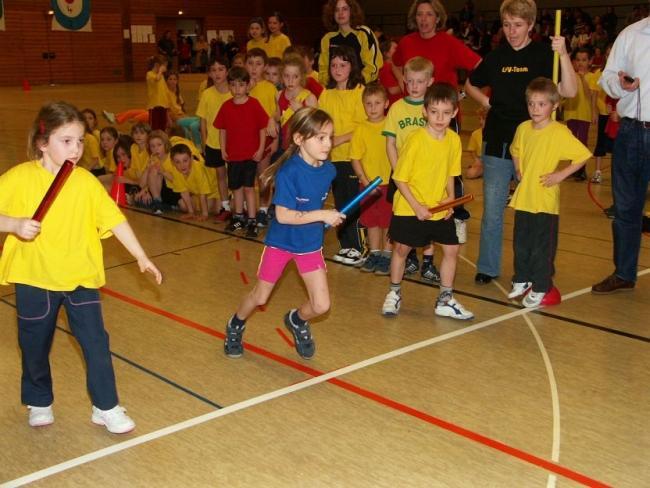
(346, 109)
(368, 145)
(404, 116)
(539, 152)
(426, 164)
(209, 105)
(67, 253)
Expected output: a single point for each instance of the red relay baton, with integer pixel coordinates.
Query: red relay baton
(454, 203)
(53, 190)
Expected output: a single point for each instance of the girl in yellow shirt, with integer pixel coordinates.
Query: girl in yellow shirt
(58, 262)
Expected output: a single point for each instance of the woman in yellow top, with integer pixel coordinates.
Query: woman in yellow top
(58, 262)
(278, 41)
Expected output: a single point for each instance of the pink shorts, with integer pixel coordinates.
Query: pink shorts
(376, 211)
(274, 260)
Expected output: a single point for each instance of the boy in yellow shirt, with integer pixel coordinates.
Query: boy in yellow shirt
(537, 148)
(58, 262)
(424, 176)
(577, 110)
(369, 160)
(195, 180)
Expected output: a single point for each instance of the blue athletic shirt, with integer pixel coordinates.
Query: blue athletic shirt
(302, 187)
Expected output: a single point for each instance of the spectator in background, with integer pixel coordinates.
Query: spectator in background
(166, 48)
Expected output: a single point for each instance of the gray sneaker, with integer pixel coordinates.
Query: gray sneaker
(305, 346)
(383, 266)
(370, 266)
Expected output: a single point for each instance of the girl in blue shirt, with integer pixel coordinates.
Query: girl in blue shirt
(302, 180)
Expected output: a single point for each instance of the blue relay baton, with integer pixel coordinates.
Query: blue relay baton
(356, 200)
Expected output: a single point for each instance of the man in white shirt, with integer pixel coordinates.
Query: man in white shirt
(627, 77)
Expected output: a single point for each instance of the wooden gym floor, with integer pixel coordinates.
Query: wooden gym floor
(555, 397)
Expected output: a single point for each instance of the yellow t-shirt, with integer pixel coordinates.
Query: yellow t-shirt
(200, 181)
(174, 107)
(276, 45)
(139, 162)
(266, 93)
(67, 253)
(209, 105)
(368, 145)
(592, 81)
(404, 116)
(426, 164)
(286, 115)
(156, 91)
(539, 152)
(578, 107)
(108, 162)
(476, 141)
(91, 151)
(346, 109)
(260, 44)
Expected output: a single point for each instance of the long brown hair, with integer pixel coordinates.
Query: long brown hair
(50, 117)
(306, 122)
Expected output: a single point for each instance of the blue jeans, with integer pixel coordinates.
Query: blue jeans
(630, 176)
(497, 173)
(37, 311)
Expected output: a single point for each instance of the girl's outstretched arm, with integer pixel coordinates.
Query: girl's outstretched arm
(125, 235)
(285, 215)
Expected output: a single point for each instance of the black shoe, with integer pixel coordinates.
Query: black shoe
(305, 346)
(232, 345)
(262, 218)
(251, 228)
(609, 212)
(483, 279)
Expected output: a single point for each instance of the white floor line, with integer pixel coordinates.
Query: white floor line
(555, 397)
(86, 458)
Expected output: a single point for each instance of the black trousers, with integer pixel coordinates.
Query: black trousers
(535, 245)
(344, 188)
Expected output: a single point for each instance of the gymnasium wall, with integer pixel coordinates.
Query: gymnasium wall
(103, 55)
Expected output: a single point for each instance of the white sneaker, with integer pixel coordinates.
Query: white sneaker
(392, 302)
(519, 289)
(110, 116)
(340, 256)
(533, 299)
(352, 258)
(597, 177)
(40, 416)
(115, 420)
(452, 309)
(461, 230)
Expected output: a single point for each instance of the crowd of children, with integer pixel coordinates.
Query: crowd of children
(264, 121)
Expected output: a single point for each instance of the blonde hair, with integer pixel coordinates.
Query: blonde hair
(524, 9)
(544, 86)
(438, 9)
(306, 122)
(162, 135)
(49, 118)
(418, 64)
(296, 61)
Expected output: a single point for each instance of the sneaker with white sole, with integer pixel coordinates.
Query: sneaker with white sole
(533, 299)
(392, 303)
(597, 177)
(461, 230)
(115, 420)
(40, 416)
(518, 289)
(452, 309)
(340, 256)
(352, 258)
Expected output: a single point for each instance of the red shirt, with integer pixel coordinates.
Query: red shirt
(388, 80)
(313, 86)
(447, 54)
(242, 123)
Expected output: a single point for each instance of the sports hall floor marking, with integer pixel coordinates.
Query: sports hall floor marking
(318, 378)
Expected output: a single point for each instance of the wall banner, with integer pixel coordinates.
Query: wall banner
(71, 15)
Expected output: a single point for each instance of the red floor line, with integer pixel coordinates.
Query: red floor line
(244, 278)
(237, 255)
(284, 336)
(456, 429)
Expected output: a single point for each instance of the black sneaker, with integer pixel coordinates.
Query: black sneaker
(232, 344)
(430, 273)
(235, 225)
(610, 212)
(262, 218)
(305, 346)
(251, 228)
(412, 263)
